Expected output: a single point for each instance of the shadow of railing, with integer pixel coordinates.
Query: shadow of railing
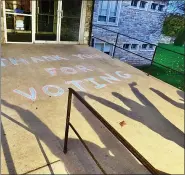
(119, 137)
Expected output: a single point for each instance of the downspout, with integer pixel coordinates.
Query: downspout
(91, 23)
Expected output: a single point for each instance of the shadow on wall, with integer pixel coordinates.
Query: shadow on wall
(76, 161)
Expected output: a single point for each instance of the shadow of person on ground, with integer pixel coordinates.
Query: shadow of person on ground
(147, 114)
(7, 152)
(76, 160)
(168, 99)
(123, 162)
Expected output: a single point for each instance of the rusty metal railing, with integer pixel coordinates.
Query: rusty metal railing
(109, 127)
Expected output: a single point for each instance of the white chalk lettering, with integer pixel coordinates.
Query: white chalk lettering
(108, 78)
(68, 70)
(47, 58)
(36, 60)
(126, 76)
(16, 61)
(2, 63)
(56, 57)
(83, 68)
(51, 71)
(32, 96)
(97, 56)
(79, 56)
(59, 92)
(98, 86)
(76, 83)
(87, 56)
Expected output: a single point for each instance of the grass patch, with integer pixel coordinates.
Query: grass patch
(169, 59)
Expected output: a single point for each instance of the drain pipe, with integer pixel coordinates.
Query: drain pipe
(90, 28)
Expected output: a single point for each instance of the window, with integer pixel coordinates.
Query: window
(144, 46)
(113, 10)
(126, 46)
(108, 11)
(99, 46)
(158, 7)
(134, 3)
(104, 47)
(151, 47)
(134, 46)
(108, 49)
(154, 6)
(161, 8)
(103, 11)
(143, 4)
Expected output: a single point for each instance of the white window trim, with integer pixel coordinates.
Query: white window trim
(101, 42)
(117, 16)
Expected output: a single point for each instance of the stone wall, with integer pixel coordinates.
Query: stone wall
(144, 25)
(87, 20)
(2, 24)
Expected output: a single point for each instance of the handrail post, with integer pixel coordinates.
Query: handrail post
(152, 58)
(67, 121)
(154, 55)
(115, 44)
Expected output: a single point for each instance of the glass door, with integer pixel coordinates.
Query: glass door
(46, 20)
(18, 15)
(42, 21)
(70, 20)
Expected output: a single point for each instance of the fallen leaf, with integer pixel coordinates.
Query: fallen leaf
(122, 123)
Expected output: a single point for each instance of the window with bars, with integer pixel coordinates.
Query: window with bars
(108, 11)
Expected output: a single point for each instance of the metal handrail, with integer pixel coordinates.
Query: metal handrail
(152, 61)
(137, 39)
(109, 127)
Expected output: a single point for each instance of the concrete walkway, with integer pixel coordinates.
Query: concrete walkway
(147, 112)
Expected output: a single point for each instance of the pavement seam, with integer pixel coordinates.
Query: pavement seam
(41, 167)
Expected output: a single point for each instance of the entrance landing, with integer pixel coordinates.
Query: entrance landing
(35, 78)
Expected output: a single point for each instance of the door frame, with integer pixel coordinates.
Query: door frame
(33, 18)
